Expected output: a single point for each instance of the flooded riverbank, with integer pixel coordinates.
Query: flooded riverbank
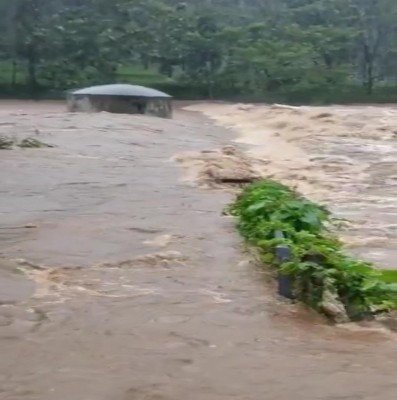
(345, 157)
(141, 287)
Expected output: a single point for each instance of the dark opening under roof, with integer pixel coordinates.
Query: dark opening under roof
(121, 90)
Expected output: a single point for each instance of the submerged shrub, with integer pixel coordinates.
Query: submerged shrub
(325, 277)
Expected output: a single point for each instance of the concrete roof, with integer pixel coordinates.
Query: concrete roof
(121, 90)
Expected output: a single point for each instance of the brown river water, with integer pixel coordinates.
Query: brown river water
(121, 280)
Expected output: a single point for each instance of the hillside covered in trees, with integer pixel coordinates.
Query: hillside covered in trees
(331, 50)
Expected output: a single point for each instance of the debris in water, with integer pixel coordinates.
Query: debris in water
(15, 286)
(226, 167)
(164, 259)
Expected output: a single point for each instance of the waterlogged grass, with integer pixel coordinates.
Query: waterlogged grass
(27, 143)
(6, 143)
(32, 143)
(325, 277)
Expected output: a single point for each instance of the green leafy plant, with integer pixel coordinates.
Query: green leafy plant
(320, 268)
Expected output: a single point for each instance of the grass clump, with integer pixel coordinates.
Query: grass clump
(27, 143)
(6, 143)
(32, 143)
(325, 277)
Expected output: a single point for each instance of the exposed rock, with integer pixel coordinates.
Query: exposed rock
(389, 321)
(333, 307)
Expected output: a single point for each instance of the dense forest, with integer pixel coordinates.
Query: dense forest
(299, 49)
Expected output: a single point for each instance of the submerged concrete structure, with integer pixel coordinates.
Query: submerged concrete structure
(122, 99)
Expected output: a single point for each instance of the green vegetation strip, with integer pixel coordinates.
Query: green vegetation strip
(324, 276)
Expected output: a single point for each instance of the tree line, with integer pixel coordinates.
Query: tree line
(232, 47)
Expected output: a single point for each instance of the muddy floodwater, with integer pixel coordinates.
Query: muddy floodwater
(121, 280)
